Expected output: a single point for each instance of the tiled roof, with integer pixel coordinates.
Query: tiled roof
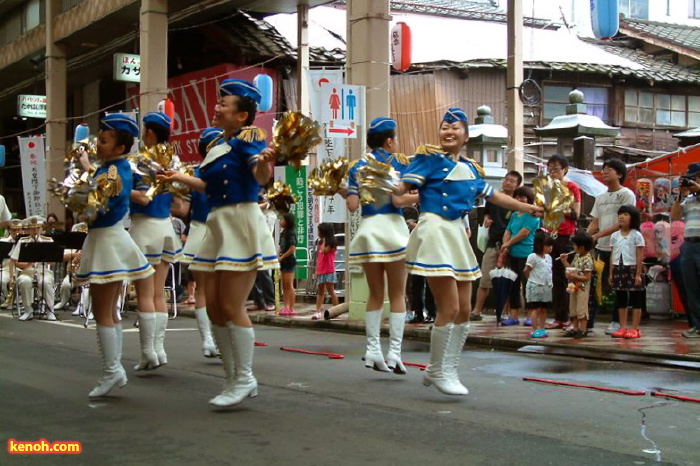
(484, 10)
(680, 35)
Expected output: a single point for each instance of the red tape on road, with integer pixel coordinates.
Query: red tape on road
(415, 364)
(676, 397)
(590, 387)
(318, 353)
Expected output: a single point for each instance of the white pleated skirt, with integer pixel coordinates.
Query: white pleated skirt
(194, 241)
(110, 255)
(380, 238)
(156, 238)
(439, 247)
(237, 239)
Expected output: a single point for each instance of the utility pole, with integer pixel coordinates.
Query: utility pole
(514, 79)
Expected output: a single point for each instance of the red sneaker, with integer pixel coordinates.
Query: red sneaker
(634, 333)
(555, 324)
(622, 333)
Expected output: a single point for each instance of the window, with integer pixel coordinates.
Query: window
(649, 109)
(635, 9)
(556, 98)
(693, 8)
(31, 15)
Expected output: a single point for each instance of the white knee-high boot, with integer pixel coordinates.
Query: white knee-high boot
(435, 373)
(161, 327)
(246, 386)
(208, 346)
(147, 332)
(397, 320)
(453, 355)
(112, 373)
(373, 356)
(222, 336)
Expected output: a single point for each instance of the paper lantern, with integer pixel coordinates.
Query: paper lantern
(605, 18)
(264, 84)
(82, 132)
(401, 47)
(2, 156)
(168, 107)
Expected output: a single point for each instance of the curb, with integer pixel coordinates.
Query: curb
(510, 344)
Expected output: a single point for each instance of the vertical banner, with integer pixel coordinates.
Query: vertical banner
(33, 162)
(326, 209)
(301, 210)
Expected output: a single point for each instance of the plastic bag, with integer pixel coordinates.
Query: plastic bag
(482, 238)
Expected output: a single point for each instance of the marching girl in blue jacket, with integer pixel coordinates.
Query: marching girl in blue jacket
(449, 187)
(380, 246)
(199, 211)
(109, 255)
(237, 241)
(152, 230)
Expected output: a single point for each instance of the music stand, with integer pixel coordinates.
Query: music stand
(42, 253)
(69, 240)
(5, 248)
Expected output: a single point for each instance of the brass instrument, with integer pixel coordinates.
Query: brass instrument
(11, 291)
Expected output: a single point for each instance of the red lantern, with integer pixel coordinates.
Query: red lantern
(401, 47)
(168, 107)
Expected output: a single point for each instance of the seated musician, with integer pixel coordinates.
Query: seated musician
(7, 272)
(33, 274)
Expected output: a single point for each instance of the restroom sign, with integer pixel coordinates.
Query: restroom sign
(342, 108)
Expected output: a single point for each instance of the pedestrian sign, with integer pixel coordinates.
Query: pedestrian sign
(341, 109)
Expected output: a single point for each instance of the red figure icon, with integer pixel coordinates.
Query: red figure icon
(334, 103)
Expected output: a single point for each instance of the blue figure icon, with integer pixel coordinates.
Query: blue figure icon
(351, 103)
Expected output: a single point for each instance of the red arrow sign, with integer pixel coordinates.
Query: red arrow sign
(347, 131)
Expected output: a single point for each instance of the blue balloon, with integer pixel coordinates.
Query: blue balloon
(2, 156)
(264, 84)
(81, 132)
(605, 18)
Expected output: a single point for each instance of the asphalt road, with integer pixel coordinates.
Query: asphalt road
(317, 411)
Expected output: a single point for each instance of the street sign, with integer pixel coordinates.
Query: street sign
(127, 67)
(31, 106)
(341, 109)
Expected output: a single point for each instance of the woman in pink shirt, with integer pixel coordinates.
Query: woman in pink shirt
(325, 267)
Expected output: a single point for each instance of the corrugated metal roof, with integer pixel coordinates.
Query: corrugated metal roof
(679, 34)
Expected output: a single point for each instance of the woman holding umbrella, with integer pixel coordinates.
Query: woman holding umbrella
(449, 186)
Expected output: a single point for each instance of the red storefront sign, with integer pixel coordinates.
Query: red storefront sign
(195, 95)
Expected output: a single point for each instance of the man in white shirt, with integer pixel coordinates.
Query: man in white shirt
(605, 223)
(5, 214)
(28, 270)
(8, 271)
(687, 207)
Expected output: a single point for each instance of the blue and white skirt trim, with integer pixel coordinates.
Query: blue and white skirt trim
(380, 238)
(156, 238)
(237, 239)
(439, 247)
(110, 255)
(194, 241)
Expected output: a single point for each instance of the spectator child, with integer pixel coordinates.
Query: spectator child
(579, 273)
(325, 267)
(538, 291)
(626, 278)
(288, 263)
(519, 240)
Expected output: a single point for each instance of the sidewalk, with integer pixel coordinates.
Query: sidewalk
(662, 343)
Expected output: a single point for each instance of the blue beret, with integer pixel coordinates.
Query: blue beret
(209, 134)
(381, 125)
(240, 88)
(120, 121)
(158, 118)
(454, 115)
